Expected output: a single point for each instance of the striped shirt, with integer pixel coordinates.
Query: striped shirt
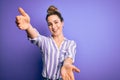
(53, 57)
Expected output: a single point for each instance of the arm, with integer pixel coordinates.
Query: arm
(23, 23)
(67, 69)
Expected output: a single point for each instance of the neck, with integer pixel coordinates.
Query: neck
(58, 37)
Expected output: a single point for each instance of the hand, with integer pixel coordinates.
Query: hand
(67, 71)
(23, 20)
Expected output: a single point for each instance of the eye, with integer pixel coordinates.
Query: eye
(56, 22)
(49, 24)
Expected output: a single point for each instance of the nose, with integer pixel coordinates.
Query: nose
(53, 26)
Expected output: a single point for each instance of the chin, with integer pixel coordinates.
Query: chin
(55, 34)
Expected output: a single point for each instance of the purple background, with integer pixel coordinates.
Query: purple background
(93, 24)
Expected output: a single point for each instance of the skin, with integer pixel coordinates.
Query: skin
(55, 26)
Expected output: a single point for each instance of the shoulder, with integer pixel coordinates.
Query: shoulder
(70, 41)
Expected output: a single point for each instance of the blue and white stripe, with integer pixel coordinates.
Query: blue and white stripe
(53, 56)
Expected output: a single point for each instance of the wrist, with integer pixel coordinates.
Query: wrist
(29, 27)
(68, 61)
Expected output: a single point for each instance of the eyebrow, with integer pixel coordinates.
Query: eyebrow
(53, 21)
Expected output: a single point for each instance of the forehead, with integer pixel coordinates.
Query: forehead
(53, 18)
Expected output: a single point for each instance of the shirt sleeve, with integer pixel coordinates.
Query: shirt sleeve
(71, 51)
(38, 40)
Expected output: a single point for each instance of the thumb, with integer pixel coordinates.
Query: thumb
(76, 69)
(22, 12)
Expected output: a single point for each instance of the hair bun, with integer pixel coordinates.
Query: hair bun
(52, 9)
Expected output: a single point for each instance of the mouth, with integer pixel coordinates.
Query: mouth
(54, 31)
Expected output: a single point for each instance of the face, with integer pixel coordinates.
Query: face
(55, 25)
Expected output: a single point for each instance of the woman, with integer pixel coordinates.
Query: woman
(58, 52)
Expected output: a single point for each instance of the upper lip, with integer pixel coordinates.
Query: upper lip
(54, 30)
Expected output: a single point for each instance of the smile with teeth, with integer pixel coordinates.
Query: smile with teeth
(54, 30)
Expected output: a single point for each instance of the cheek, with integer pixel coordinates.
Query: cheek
(50, 29)
(60, 26)
(60, 29)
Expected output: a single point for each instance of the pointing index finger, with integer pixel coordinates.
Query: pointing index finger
(22, 12)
